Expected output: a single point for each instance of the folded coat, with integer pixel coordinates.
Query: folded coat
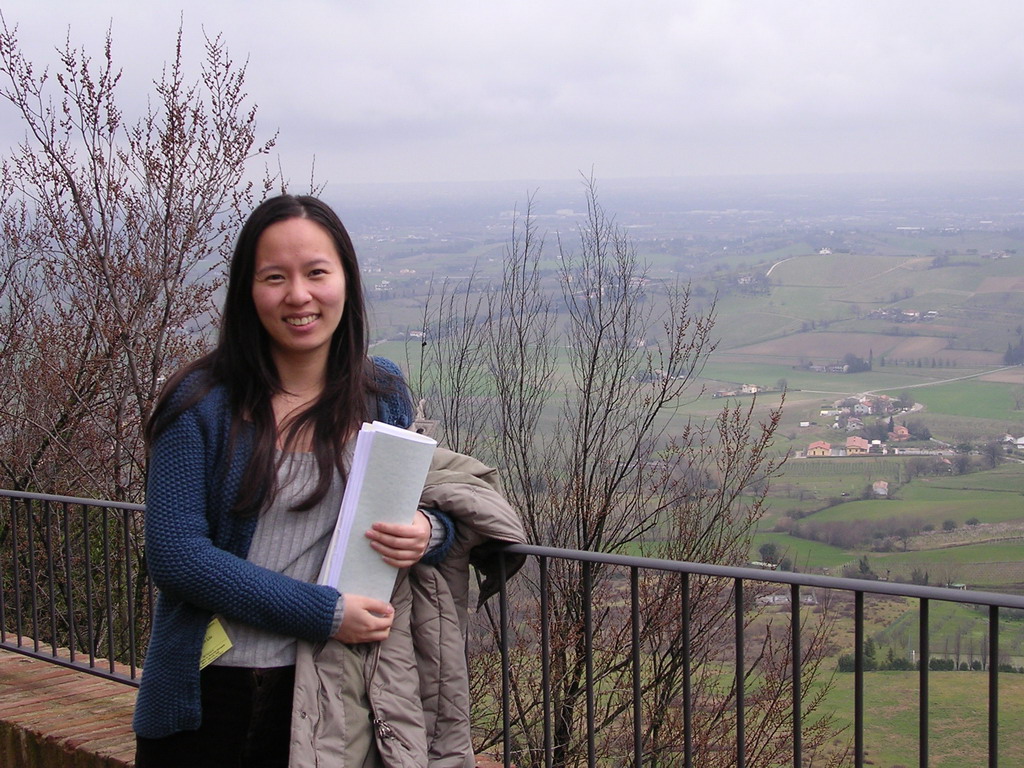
(417, 680)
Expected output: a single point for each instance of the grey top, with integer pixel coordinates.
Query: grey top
(292, 543)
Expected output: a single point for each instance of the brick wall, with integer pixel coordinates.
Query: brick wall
(55, 717)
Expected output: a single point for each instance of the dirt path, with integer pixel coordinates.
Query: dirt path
(946, 381)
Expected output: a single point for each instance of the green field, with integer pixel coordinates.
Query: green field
(1006, 477)
(976, 399)
(933, 506)
(988, 554)
(957, 708)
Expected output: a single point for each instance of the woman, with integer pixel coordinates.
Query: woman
(248, 447)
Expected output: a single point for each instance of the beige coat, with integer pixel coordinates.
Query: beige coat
(417, 680)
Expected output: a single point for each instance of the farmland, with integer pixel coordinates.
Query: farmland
(933, 309)
(932, 312)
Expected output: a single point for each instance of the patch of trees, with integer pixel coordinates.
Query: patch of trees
(770, 552)
(871, 662)
(893, 663)
(855, 364)
(878, 535)
(918, 430)
(1015, 351)
(917, 362)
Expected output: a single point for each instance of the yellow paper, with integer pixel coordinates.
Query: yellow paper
(215, 644)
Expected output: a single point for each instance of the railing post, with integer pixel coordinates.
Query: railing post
(130, 587)
(993, 686)
(90, 619)
(3, 592)
(51, 589)
(588, 644)
(19, 627)
(794, 623)
(687, 676)
(741, 735)
(545, 650)
(858, 680)
(506, 675)
(68, 584)
(634, 618)
(109, 592)
(32, 581)
(922, 737)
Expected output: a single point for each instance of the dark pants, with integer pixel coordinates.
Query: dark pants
(246, 723)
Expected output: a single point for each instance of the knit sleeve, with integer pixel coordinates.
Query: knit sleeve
(393, 403)
(195, 548)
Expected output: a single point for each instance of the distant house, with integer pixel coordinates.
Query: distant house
(819, 448)
(899, 434)
(880, 488)
(863, 409)
(856, 446)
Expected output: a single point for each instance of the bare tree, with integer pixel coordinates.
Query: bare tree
(114, 235)
(575, 389)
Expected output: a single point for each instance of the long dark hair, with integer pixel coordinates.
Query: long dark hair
(241, 362)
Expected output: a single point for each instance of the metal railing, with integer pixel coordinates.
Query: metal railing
(732, 641)
(74, 591)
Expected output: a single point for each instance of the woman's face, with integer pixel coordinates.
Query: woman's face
(298, 288)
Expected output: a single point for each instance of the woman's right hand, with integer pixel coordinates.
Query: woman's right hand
(366, 620)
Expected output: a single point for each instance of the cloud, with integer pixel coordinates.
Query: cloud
(413, 91)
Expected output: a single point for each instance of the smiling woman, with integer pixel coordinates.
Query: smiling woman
(248, 451)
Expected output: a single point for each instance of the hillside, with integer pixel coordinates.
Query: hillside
(931, 300)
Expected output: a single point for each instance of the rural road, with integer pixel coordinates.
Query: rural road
(945, 381)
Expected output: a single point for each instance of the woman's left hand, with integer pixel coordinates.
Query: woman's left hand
(401, 545)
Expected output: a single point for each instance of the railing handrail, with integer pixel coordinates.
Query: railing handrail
(898, 589)
(871, 586)
(101, 503)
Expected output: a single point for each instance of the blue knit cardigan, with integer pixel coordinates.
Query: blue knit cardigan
(196, 550)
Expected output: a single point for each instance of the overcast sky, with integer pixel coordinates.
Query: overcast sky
(412, 90)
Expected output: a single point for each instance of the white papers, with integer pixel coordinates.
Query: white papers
(384, 485)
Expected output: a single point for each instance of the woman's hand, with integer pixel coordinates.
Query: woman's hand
(366, 620)
(401, 545)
